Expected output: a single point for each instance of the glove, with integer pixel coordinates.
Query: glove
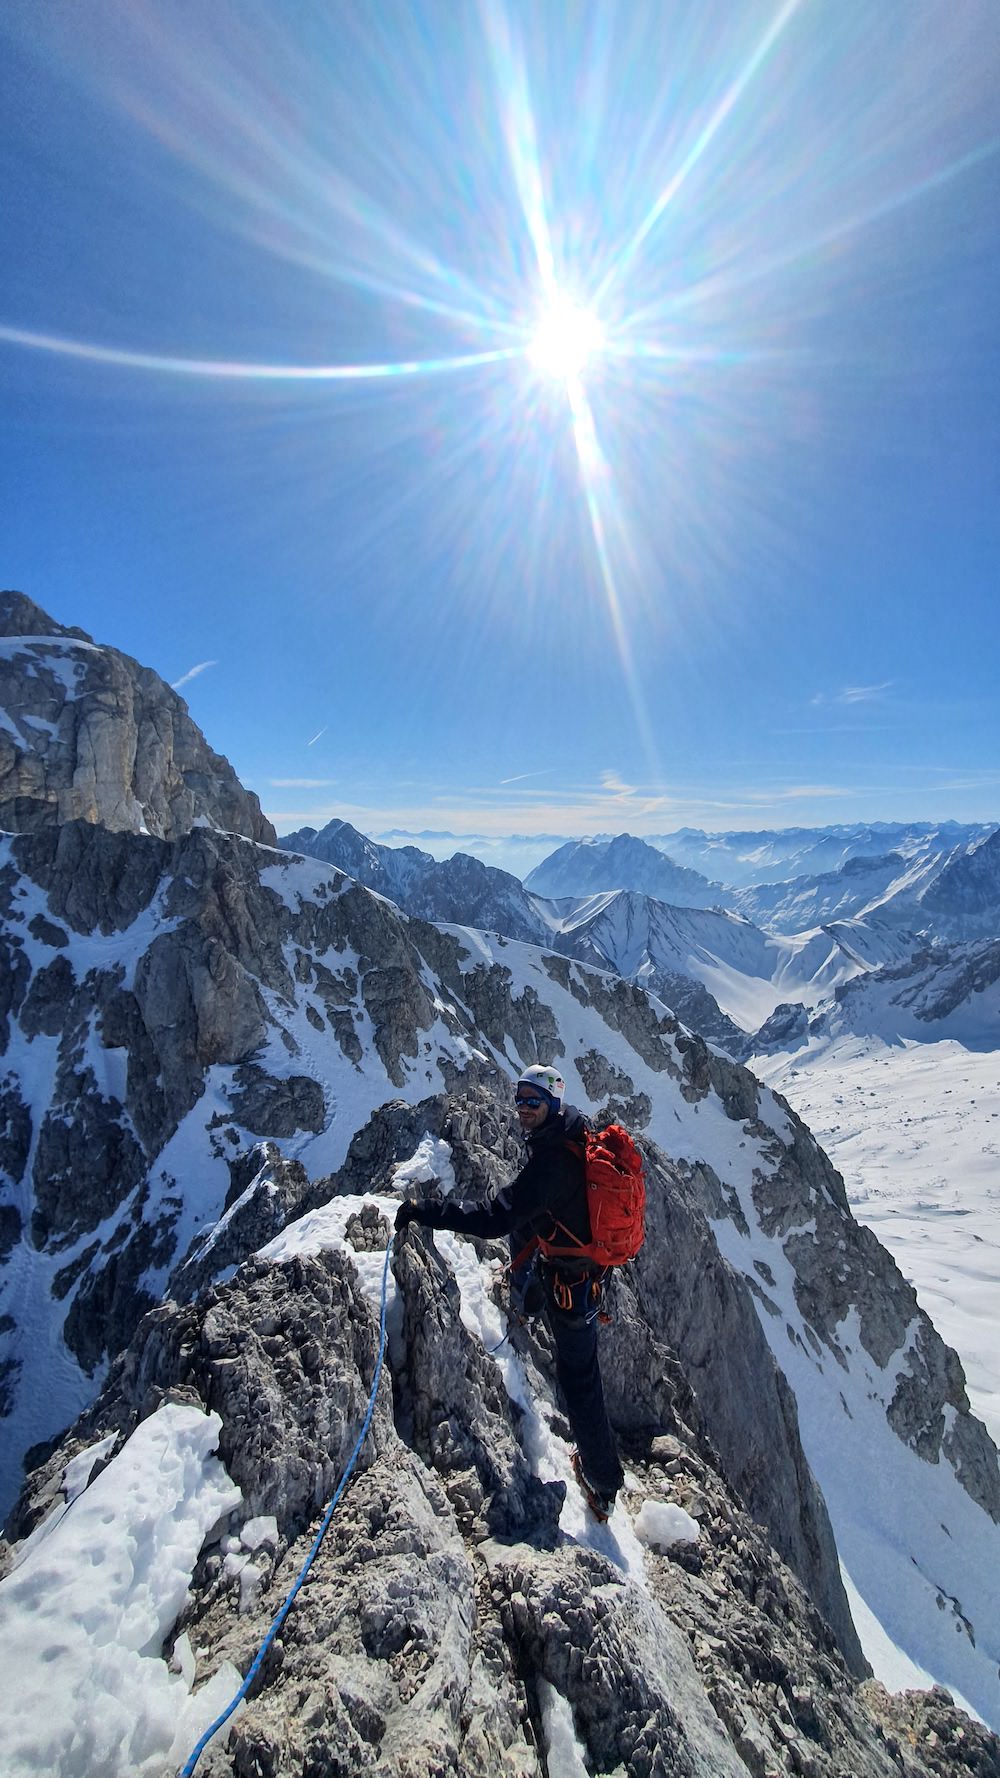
(407, 1213)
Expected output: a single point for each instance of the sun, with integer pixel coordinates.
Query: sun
(566, 338)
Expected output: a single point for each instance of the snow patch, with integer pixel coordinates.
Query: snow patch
(660, 1524)
(84, 1616)
(430, 1164)
(564, 1756)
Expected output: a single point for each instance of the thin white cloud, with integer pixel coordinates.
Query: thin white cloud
(192, 673)
(301, 783)
(316, 737)
(862, 694)
(611, 782)
(852, 694)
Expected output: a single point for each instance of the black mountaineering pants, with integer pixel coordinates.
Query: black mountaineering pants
(575, 1332)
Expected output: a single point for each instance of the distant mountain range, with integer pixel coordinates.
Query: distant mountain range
(773, 856)
(750, 975)
(583, 867)
(734, 860)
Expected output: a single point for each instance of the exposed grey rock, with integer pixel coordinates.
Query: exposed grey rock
(841, 1266)
(486, 1147)
(458, 1412)
(681, 1286)
(267, 1192)
(47, 1003)
(787, 1026)
(418, 1646)
(601, 1077)
(104, 740)
(10, 1229)
(280, 1107)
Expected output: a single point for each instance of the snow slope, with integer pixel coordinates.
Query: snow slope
(747, 971)
(915, 1130)
(425, 1004)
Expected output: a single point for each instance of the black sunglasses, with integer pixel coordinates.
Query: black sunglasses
(531, 1103)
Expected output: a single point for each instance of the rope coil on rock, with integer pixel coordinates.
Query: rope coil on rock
(188, 1770)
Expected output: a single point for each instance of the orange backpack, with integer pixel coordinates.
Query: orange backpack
(616, 1200)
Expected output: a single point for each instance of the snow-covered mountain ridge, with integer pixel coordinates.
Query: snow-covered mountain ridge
(587, 867)
(220, 1067)
(459, 888)
(296, 1004)
(744, 859)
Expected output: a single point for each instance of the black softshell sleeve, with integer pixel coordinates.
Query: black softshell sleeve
(548, 1179)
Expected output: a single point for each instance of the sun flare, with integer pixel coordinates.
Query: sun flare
(566, 339)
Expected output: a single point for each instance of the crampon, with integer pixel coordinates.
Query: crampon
(600, 1504)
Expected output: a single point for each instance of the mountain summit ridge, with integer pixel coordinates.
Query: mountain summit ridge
(223, 1065)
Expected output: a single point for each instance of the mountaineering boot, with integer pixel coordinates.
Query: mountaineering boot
(599, 1504)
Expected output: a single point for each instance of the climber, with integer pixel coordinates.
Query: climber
(549, 1191)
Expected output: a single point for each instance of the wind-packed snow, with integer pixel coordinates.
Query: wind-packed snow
(431, 1164)
(915, 1131)
(564, 1753)
(325, 1228)
(53, 653)
(84, 1615)
(659, 1525)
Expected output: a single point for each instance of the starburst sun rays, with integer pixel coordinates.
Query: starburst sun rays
(589, 309)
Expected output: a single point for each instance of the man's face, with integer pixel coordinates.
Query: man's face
(532, 1109)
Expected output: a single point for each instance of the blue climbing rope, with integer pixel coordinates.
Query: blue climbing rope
(188, 1770)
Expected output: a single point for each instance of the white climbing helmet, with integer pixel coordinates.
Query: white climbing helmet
(542, 1078)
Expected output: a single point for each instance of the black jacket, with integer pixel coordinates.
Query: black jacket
(549, 1189)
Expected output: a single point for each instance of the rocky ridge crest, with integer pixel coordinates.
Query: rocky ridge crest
(444, 1612)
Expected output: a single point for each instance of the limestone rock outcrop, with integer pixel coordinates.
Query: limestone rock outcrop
(441, 1621)
(89, 734)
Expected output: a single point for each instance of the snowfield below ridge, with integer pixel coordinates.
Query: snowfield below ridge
(915, 1131)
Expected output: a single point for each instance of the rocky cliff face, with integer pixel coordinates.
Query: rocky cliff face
(220, 1065)
(89, 734)
(448, 1625)
(169, 1006)
(460, 889)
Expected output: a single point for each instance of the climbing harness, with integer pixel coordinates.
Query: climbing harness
(188, 1770)
(582, 1296)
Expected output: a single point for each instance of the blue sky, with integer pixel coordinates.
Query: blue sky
(739, 568)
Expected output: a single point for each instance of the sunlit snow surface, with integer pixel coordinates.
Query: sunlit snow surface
(915, 1130)
(84, 1614)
